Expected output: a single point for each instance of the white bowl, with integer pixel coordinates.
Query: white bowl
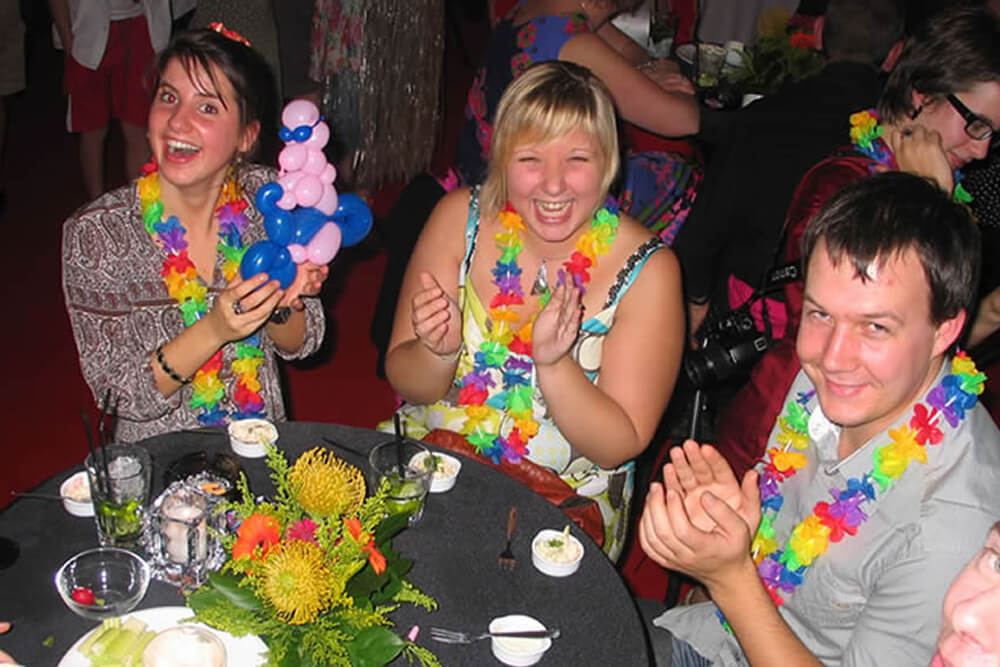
(184, 646)
(445, 476)
(247, 437)
(546, 564)
(75, 492)
(518, 651)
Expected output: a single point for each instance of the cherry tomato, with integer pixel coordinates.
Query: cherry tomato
(82, 595)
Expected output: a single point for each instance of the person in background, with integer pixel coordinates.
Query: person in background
(535, 319)
(935, 115)
(970, 622)
(735, 226)
(881, 472)
(161, 317)
(110, 48)
(541, 30)
(11, 69)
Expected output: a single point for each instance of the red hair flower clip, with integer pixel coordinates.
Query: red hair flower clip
(220, 28)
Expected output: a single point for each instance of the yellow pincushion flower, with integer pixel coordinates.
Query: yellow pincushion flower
(325, 485)
(296, 581)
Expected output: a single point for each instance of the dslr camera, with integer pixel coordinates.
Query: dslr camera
(730, 345)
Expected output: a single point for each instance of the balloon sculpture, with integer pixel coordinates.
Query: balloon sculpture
(304, 218)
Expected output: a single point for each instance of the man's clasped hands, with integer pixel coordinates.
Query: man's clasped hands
(700, 520)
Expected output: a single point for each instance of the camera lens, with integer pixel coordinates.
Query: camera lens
(716, 362)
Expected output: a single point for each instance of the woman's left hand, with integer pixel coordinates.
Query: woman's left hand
(918, 150)
(557, 326)
(309, 279)
(666, 74)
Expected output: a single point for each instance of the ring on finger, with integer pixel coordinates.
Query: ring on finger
(237, 308)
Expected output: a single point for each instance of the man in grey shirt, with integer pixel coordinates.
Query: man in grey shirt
(882, 473)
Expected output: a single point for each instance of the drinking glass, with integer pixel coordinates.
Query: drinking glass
(662, 29)
(709, 64)
(408, 483)
(120, 493)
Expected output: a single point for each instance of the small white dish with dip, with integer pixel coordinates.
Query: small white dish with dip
(556, 553)
(248, 437)
(446, 469)
(518, 651)
(75, 492)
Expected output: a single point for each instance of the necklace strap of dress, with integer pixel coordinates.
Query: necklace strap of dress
(630, 269)
(471, 233)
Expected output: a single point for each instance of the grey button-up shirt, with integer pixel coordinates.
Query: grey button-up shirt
(875, 598)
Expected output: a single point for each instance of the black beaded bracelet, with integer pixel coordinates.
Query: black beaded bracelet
(168, 370)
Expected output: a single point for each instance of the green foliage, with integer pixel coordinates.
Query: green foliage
(773, 62)
(353, 628)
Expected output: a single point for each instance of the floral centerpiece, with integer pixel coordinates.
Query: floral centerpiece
(312, 572)
(784, 52)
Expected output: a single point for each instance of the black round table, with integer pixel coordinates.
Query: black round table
(454, 548)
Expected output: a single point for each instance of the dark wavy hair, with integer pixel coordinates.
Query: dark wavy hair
(248, 73)
(951, 51)
(887, 215)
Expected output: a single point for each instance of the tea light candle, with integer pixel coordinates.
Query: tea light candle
(181, 518)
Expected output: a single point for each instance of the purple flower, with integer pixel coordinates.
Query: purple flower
(848, 509)
(768, 485)
(509, 283)
(770, 570)
(172, 235)
(479, 380)
(515, 364)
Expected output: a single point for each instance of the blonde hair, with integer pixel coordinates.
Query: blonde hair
(548, 101)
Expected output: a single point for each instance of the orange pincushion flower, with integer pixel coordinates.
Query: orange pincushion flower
(258, 530)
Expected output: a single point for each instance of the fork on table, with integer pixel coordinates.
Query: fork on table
(507, 561)
(455, 637)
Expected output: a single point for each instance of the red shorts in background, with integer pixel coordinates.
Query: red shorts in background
(122, 85)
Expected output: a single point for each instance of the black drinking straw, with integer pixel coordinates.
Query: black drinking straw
(399, 445)
(102, 433)
(101, 480)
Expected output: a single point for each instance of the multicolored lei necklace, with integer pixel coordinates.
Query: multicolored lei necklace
(187, 288)
(508, 350)
(782, 570)
(866, 135)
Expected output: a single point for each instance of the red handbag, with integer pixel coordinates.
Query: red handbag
(582, 510)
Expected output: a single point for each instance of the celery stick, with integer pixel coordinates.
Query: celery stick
(92, 638)
(135, 660)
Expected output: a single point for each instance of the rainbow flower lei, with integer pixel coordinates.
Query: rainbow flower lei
(866, 135)
(782, 570)
(508, 350)
(187, 288)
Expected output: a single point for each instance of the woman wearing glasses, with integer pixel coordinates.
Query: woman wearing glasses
(939, 111)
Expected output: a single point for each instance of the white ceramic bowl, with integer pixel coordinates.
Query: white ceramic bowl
(551, 566)
(445, 476)
(518, 651)
(75, 492)
(247, 437)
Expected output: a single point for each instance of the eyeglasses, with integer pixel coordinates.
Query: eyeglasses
(976, 126)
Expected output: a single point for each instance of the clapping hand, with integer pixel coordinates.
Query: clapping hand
(436, 320)
(557, 326)
(700, 520)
